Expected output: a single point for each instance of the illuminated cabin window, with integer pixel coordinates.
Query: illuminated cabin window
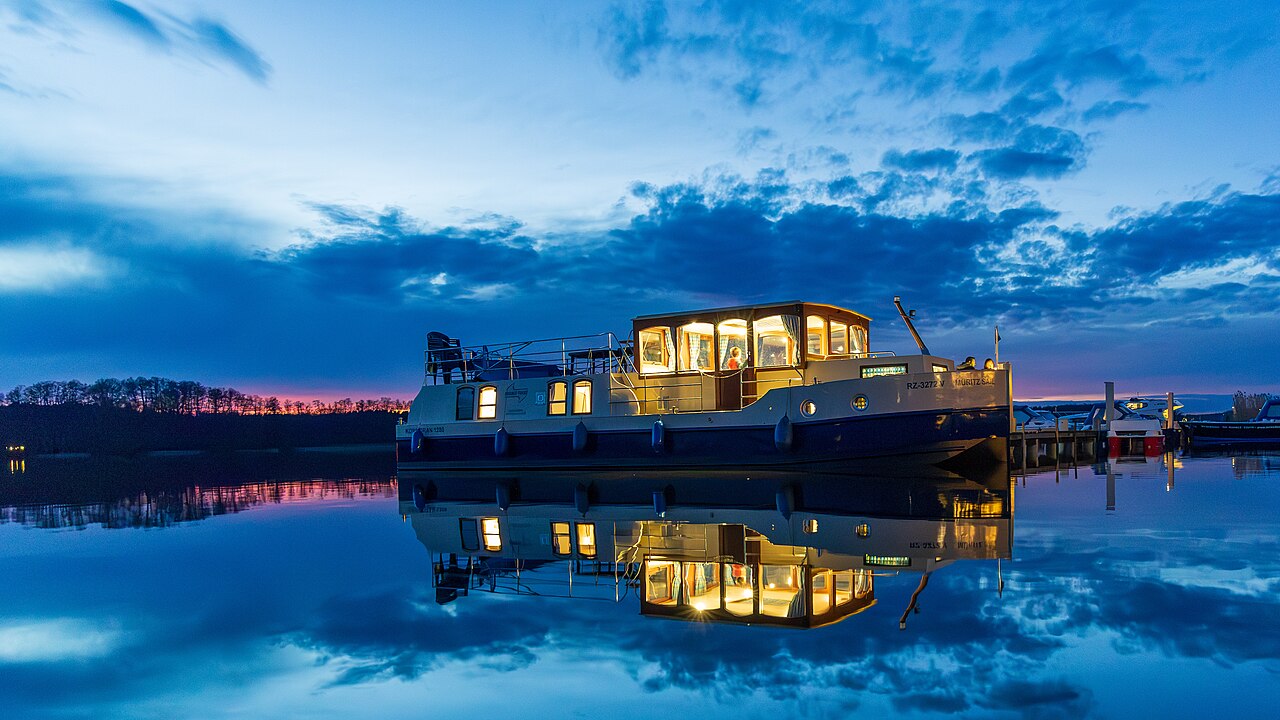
(739, 589)
(940, 368)
(781, 591)
(702, 585)
(661, 582)
(695, 343)
(561, 542)
(816, 344)
(843, 582)
(858, 339)
(822, 588)
(657, 352)
(776, 339)
(466, 402)
(558, 398)
(839, 338)
(586, 539)
(468, 528)
(886, 561)
(732, 344)
(869, 371)
(582, 397)
(488, 402)
(492, 537)
(810, 526)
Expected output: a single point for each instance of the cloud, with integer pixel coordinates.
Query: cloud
(204, 39)
(1105, 110)
(1037, 152)
(917, 160)
(33, 268)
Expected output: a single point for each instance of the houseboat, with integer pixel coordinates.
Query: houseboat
(792, 385)
(810, 559)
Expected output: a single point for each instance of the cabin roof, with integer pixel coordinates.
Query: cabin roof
(741, 308)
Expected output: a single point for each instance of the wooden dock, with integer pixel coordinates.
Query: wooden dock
(1046, 448)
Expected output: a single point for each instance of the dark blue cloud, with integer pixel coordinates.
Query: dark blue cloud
(1111, 64)
(917, 160)
(1037, 152)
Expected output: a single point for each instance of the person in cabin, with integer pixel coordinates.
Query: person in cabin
(735, 359)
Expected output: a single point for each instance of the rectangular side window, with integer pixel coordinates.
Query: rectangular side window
(466, 402)
(492, 537)
(557, 398)
(488, 402)
(560, 540)
(582, 397)
(881, 370)
(586, 539)
(470, 538)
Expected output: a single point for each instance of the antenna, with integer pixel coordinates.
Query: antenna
(906, 318)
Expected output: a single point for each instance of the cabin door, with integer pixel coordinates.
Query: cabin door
(729, 390)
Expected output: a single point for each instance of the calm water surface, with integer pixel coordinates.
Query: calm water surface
(268, 587)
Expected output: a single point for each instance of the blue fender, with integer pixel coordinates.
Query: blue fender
(419, 497)
(579, 437)
(658, 438)
(783, 435)
(503, 497)
(786, 501)
(501, 442)
(416, 441)
(660, 503)
(581, 499)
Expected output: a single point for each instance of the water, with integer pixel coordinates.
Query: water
(292, 587)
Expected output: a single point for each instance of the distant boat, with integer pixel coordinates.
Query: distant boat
(1263, 429)
(16, 452)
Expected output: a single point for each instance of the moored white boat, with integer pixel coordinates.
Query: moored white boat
(789, 385)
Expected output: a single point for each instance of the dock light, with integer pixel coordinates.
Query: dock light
(862, 530)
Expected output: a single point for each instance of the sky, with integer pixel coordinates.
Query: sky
(286, 197)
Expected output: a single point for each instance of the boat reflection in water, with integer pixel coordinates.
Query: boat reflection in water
(810, 556)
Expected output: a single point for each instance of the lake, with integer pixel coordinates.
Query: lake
(256, 585)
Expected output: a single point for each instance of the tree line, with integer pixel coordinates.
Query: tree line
(182, 397)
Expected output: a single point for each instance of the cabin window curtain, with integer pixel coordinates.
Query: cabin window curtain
(722, 349)
(792, 324)
(671, 348)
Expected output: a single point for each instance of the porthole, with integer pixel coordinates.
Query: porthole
(810, 526)
(808, 408)
(860, 402)
(862, 530)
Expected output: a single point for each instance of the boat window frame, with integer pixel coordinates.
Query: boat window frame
(793, 341)
(485, 534)
(470, 404)
(831, 332)
(667, 348)
(574, 405)
(563, 402)
(858, 340)
(556, 534)
(824, 342)
(723, 349)
(682, 347)
(578, 527)
(471, 539)
(481, 406)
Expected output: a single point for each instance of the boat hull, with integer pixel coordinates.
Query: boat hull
(1232, 433)
(977, 435)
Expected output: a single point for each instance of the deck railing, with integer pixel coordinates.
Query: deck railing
(552, 357)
